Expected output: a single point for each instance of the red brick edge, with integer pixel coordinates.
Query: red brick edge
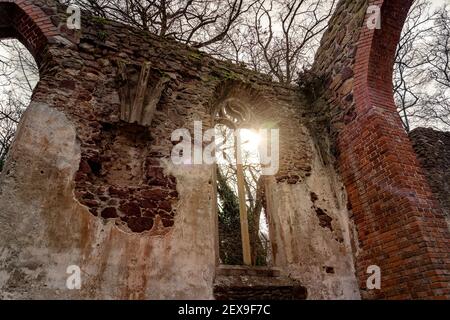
(400, 226)
(32, 26)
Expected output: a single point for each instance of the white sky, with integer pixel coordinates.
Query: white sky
(439, 2)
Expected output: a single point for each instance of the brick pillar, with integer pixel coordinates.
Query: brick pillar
(400, 225)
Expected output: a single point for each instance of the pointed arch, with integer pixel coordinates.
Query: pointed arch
(244, 104)
(388, 193)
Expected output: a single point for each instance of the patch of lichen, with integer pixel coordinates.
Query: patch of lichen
(194, 55)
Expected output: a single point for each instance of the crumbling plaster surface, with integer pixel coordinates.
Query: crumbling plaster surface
(44, 229)
(319, 256)
(42, 235)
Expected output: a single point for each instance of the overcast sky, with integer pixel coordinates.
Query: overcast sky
(439, 2)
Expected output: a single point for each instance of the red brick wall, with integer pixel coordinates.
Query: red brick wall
(28, 23)
(400, 226)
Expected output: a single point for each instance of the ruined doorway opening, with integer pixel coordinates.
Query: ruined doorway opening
(243, 228)
(19, 75)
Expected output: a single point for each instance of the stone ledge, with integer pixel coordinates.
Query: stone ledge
(236, 270)
(255, 283)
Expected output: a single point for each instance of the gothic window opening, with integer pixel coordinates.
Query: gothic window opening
(242, 215)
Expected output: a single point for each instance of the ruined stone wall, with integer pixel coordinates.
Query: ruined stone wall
(333, 69)
(89, 180)
(433, 151)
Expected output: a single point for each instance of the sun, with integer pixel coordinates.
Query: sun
(250, 137)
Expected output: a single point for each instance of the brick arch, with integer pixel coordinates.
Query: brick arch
(28, 23)
(375, 56)
(400, 227)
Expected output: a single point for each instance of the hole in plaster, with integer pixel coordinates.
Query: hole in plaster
(95, 166)
(324, 219)
(120, 179)
(329, 269)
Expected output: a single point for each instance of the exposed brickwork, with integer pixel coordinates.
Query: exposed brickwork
(106, 161)
(29, 23)
(433, 151)
(400, 226)
(122, 173)
(118, 178)
(256, 284)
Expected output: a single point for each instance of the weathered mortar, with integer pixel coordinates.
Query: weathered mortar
(153, 234)
(401, 228)
(331, 77)
(45, 229)
(84, 186)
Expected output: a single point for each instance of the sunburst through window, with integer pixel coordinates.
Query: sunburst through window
(242, 214)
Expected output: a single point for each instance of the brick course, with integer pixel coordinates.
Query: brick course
(29, 23)
(401, 227)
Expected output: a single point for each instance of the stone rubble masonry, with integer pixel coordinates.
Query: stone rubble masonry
(433, 151)
(120, 175)
(88, 180)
